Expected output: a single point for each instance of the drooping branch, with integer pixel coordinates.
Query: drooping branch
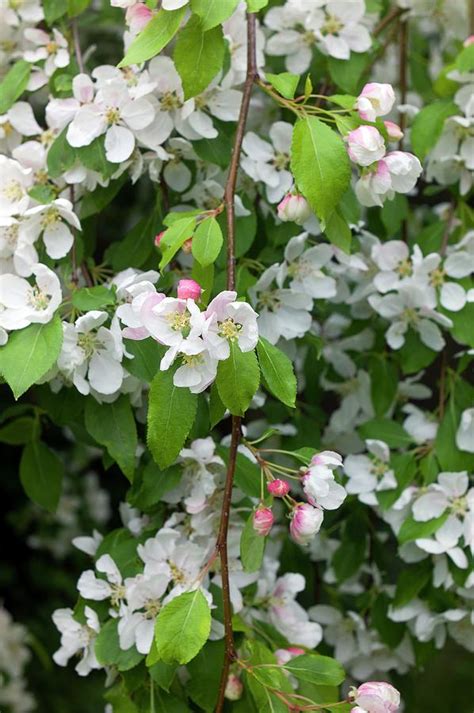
(229, 200)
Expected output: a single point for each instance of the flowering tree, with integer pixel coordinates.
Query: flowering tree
(236, 260)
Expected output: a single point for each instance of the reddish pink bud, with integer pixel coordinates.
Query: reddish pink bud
(186, 247)
(234, 688)
(189, 289)
(262, 520)
(158, 237)
(393, 130)
(278, 488)
(138, 16)
(468, 41)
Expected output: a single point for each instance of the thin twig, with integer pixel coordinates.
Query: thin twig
(229, 199)
(74, 276)
(403, 61)
(447, 230)
(387, 20)
(77, 46)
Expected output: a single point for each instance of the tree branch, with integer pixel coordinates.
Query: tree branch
(229, 200)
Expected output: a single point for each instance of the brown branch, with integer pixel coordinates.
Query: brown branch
(77, 46)
(447, 230)
(229, 200)
(387, 20)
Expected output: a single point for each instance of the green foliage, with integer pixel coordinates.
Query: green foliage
(174, 237)
(411, 581)
(213, 12)
(108, 651)
(252, 547)
(147, 354)
(285, 83)
(160, 30)
(113, 426)
(87, 298)
(391, 432)
(277, 372)
(41, 474)
(207, 51)
(29, 354)
(428, 125)
(14, 84)
(316, 669)
(237, 379)
(320, 165)
(207, 242)
(182, 627)
(171, 414)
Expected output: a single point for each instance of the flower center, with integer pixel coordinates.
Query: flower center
(410, 315)
(51, 47)
(332, 25)
(459, 505)
(37, 299)
(379, 468)
(178, 321)
(10, 234)
(404, 268)
(50, 218)
(308, 38)
(177, 574)
(269, 300)
(7, 128)
(152, 607)
(118, 593)
(13, 190)
(47, 137)
(89, 343)
(170, 101)
(229, 329)
(437, 277)
(112, 115)
(281, 161)
(41, 177)
(192, 360)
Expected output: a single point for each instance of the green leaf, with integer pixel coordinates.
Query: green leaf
(338, 231)
(277, 370)
(414, 530)
(53, 10)
(207, 242)
(14, 84)
(151, 484)
(320, 165)
(316, 669)
(285, 83)
(383, 384)
(213, 12)
(183, 627)
(216, 150)
(237, 379)
(174, 237)
(41, 474)
(252, 547)
(352, 551)
(451, 458)
(156, 35)
(393, 213)
(108, 651)
(163, 674)
(147, 355)
(138, 244)
(87, 298)
(463, 320)
(205, 671)
(348, 75)
(216, 407)
(76, 7)
(198, 56)
(465, 59)
(19, 431)
(42, 194)
(171, 414)
(414, 355)
(256, 5)
(93, 157)
(391, 632)
(96, 201)
(61, 156)
(428, 125)
(383, 429)
(29, 354)
(113, 426)
(411, 581)
(347, 101)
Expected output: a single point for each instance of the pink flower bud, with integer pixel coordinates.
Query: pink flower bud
(305, 523)
(278, 488)
(285, 655)
(189, 289)
(294, 208)
(262, 520)
(234, 688)
(186, 247)
(138, 16)
(375, 100)
(468, 41)
(375, 697)
(393, 130)
(365, 145)
(158, 237)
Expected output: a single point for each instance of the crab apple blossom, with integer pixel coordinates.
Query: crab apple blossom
(263, 520)
(375, 100)
(295, 208)
(375, 697)
(188, 289)
(365, 145)
(278, 488)
(306, 522)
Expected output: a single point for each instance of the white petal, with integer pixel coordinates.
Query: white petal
(119, 144)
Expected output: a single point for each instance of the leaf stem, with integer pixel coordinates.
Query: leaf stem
(229, 200)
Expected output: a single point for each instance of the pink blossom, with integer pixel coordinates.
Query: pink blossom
(278, 488)
(138, 16)
(234, 688)
(158, 237)
(468, 41)
(285, 655)
(375, 697)
(263, 520)
(393, 130)
(375, 100)
(365, 145)
(189, 289)
(294, 208)
(305, 523)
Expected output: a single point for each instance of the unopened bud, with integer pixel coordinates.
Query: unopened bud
(294, 208)
(158, 237)
(262, 520)
(189, 289)
(234, 688)
(278, 488)
(393, 130)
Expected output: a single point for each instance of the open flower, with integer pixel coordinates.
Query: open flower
(53, 221)
(77, 638)
(229, 321)
(269, 162)
(23, 303)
